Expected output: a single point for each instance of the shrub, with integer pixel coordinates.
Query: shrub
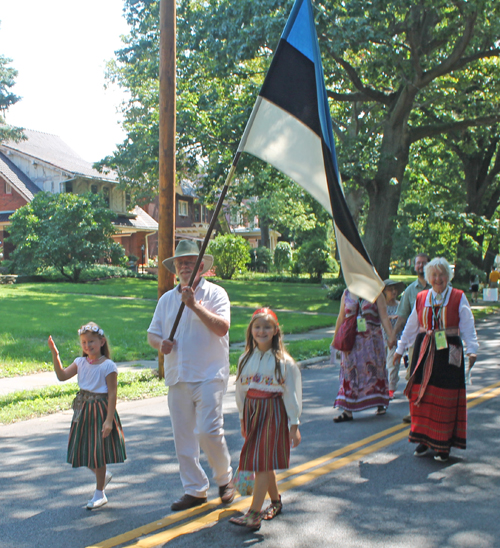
(231, 254)
(65, 231)
(282, 256)
(261, 259)
(336, 290)
(314, 258)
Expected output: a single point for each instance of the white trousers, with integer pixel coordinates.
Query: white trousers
(197, 421)
(392, 369)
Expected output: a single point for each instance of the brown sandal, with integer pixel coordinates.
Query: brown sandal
(251, 520)
(273, 509)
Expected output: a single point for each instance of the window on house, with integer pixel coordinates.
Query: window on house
(69, 186)
(8, 189)
(93, 189)
(105, 193)
(183, 208)
(128, 201)
(197, 215)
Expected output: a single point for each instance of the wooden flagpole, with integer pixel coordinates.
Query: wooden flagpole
(167, 107)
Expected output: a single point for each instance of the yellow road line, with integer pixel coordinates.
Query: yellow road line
(214, 503)
(482, 399)
(217, 515)
(309, 471)
(482, 391)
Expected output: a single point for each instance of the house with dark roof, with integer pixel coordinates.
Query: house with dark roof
(192, 218)
(44, 162)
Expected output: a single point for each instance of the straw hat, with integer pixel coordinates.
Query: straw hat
(188, 248)
(400, 286)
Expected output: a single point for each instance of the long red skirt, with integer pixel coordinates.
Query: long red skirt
(267, 442)
(440, 420)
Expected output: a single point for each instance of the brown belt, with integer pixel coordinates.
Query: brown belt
(82, 397)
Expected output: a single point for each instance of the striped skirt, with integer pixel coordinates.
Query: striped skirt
(267, 442)
(440, 419)
(86, 446)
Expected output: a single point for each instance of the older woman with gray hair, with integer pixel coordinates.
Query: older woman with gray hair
(440, 320)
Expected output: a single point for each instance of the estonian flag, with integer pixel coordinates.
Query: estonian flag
(290, 128)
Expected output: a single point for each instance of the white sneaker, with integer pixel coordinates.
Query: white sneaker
(97, 503)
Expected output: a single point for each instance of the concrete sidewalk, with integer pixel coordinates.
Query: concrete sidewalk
(41, 380)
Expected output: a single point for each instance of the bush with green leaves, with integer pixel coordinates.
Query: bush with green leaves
(282, 256)
(336, 290)
(262, 259)
(231, 254)
(313, 257)
(69, 232)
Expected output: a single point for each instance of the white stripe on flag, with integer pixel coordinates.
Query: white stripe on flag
(276, 137)
(360, 277)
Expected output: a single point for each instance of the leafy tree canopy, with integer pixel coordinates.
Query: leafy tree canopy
(66, 231)
(7, 99)
(397, 72)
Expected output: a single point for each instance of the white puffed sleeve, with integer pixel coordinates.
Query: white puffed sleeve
(467, 327)
(292, 395)
(410, 333)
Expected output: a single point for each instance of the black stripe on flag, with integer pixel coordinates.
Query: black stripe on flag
(291, 85)
(341, 214)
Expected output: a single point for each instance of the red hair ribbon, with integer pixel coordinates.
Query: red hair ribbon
(267, 311)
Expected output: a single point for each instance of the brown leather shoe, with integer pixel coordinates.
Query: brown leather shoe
(227, 493)
(187, 501)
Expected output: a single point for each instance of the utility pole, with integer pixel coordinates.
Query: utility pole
(166, 225)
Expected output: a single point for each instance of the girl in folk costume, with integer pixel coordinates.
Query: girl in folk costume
(439, 321)
(96, 435)
(269, 398)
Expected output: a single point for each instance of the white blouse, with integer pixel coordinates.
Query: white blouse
(465, 324)
(259, 374)
(92, 376)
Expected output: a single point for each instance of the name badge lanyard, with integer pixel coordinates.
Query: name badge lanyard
(440, 335)
(360, 321)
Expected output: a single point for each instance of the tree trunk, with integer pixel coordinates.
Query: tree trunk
(384, 193)
(384, 190)
(379, 226)
(264, 233)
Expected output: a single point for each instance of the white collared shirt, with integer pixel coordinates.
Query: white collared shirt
(198, 353)
(465, 324)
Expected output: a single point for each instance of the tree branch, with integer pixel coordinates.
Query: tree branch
(479, 55)
(450, 63)
(373, 94)
(370, 93)
(416, 134)
(348, 97)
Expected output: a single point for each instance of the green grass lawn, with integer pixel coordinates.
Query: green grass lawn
(124, 307)
(29, 313)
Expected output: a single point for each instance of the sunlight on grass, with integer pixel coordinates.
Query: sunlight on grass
(35, 311)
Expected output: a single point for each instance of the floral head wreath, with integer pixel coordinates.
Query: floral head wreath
(92, 329)
(267, 311)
